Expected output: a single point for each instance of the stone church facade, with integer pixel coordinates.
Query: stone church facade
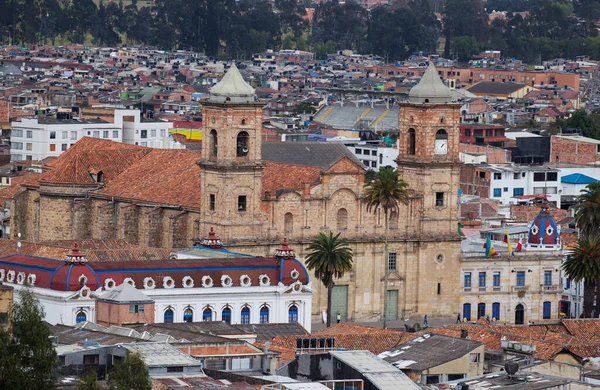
(254, 193)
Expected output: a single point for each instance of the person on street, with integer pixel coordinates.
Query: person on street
(458, 318)
(425, 320)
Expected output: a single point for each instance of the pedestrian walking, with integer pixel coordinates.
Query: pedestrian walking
(458, 318)
(339, 317)
(425, 320)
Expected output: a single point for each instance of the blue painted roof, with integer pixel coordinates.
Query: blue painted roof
(578, 178)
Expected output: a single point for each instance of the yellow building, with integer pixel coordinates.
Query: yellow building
(6, 300)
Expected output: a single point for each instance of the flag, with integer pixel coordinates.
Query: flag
(489, 247)
(519, 246)
(507, 240)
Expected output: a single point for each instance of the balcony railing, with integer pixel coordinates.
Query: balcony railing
(552, 288)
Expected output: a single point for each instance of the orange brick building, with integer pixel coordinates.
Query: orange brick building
(574, 149)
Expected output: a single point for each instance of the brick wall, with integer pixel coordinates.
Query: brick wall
(573, 151)
(108, 314)
(494, 155)
(471, 182)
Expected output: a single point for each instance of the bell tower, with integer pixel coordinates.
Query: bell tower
(428, 157)
(231, 163)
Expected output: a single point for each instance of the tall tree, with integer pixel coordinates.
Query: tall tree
(386, 192)
(131, 374)
(27, 357)
(584, 264)
(464, 18)
(330, 257)
(587, 211)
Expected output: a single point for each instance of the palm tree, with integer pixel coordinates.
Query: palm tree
(587, 213)
(584, 263)
(386, 192)
(330, 257)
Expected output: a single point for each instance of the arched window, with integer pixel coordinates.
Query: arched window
(226, 315)
(342, 219)
(293, 314)
(81, 317)
(214, 139)
(496, 311)
(288, 223)
(243, 121)
(264, 315)
(481, 310)
(393, 222)
(242, 144)
(245, 315)
(188, 315)
(207, 314)
(519, 314)
(467, 311)
(168, 317)
(547, 310)
(412, 142)
(441, 134)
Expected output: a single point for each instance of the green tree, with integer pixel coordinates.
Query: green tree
(581, 120)
(88, 381)
(131, 374)
(587, 211)
(330, 257)
(584, 264)
(27, 357)
(386, 192)
(305, 108)
(465, 47)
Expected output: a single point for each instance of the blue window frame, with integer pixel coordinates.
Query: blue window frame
(480, 310)
(497, 192)
(264, 315)
(547, 278)
(467, 311)
(188, 315)
(567, 284)
(496, 311)
(226, 315)
(467, 280)
(520, 278)
(482, 279)
(496, 279)
(547, 310)
(518, 191)
(168, 317)
(245, 316)
(207, 314)
(293, 314)
(81, 317)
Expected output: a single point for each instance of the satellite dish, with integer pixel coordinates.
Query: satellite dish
(511, 368)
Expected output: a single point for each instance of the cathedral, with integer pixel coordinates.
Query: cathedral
(254, 194)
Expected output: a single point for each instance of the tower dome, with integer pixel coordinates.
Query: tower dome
(430, 89)
(543, 232)
(232, 88)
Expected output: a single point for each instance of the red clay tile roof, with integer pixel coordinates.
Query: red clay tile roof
(18, 183)
(280, 176)
(74, 165)
(162, 176)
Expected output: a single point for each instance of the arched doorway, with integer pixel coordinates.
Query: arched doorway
(519, 314)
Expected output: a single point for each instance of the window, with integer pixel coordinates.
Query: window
(467, 280)
(226, 315)
(474, 358)
(392, 261)
(28, 146)
(52, 135)
(516, 176)
(489, 132)
(242, 144)
(207, 314)
(455, 377)
(520, 278)
(65, 134)
(136, 308)
(168, 317)
(496, 311)
(91, 359)
(80, 317)
(505, 189)
(439, 288)
(412, 142)
(73, 135)
(115, 133)
(28, 158)
(547, 278)
(547, 310)
(212, 201)
(497, 192)
(467, 132)
(467, 311)
(16, 133)
(431, 379)
(29, 134)
(264, 315)
(144, 143)
(567, 284)
(162, 132)
(17, 145)
(64, 147)
(539, 190)
(552, 176)
(497, 176)
(551, 190)
(496, 279)
(439, 198)
(358, 151)
(518, 191)
(52, 147)
(105, 134)
(480, 310)
(3, 318)
(175, 369)
(293, 314)
(144, 134)
(539, 176)
(242, 203)
(188, 315)
(215, 142)
(153, 133)
(482, 279)
(373, 153)
(245, 320)
(342, 219)
(288, 223)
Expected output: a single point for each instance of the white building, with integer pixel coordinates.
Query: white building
(44, 136)
(371, 154)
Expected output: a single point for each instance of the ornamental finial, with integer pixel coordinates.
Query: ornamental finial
(212, 241)
(75, 257)
(285, 251)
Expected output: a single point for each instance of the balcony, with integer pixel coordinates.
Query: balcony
(520, 288)
(552, 288)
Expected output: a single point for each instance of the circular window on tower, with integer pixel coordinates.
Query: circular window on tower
(439, 257)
